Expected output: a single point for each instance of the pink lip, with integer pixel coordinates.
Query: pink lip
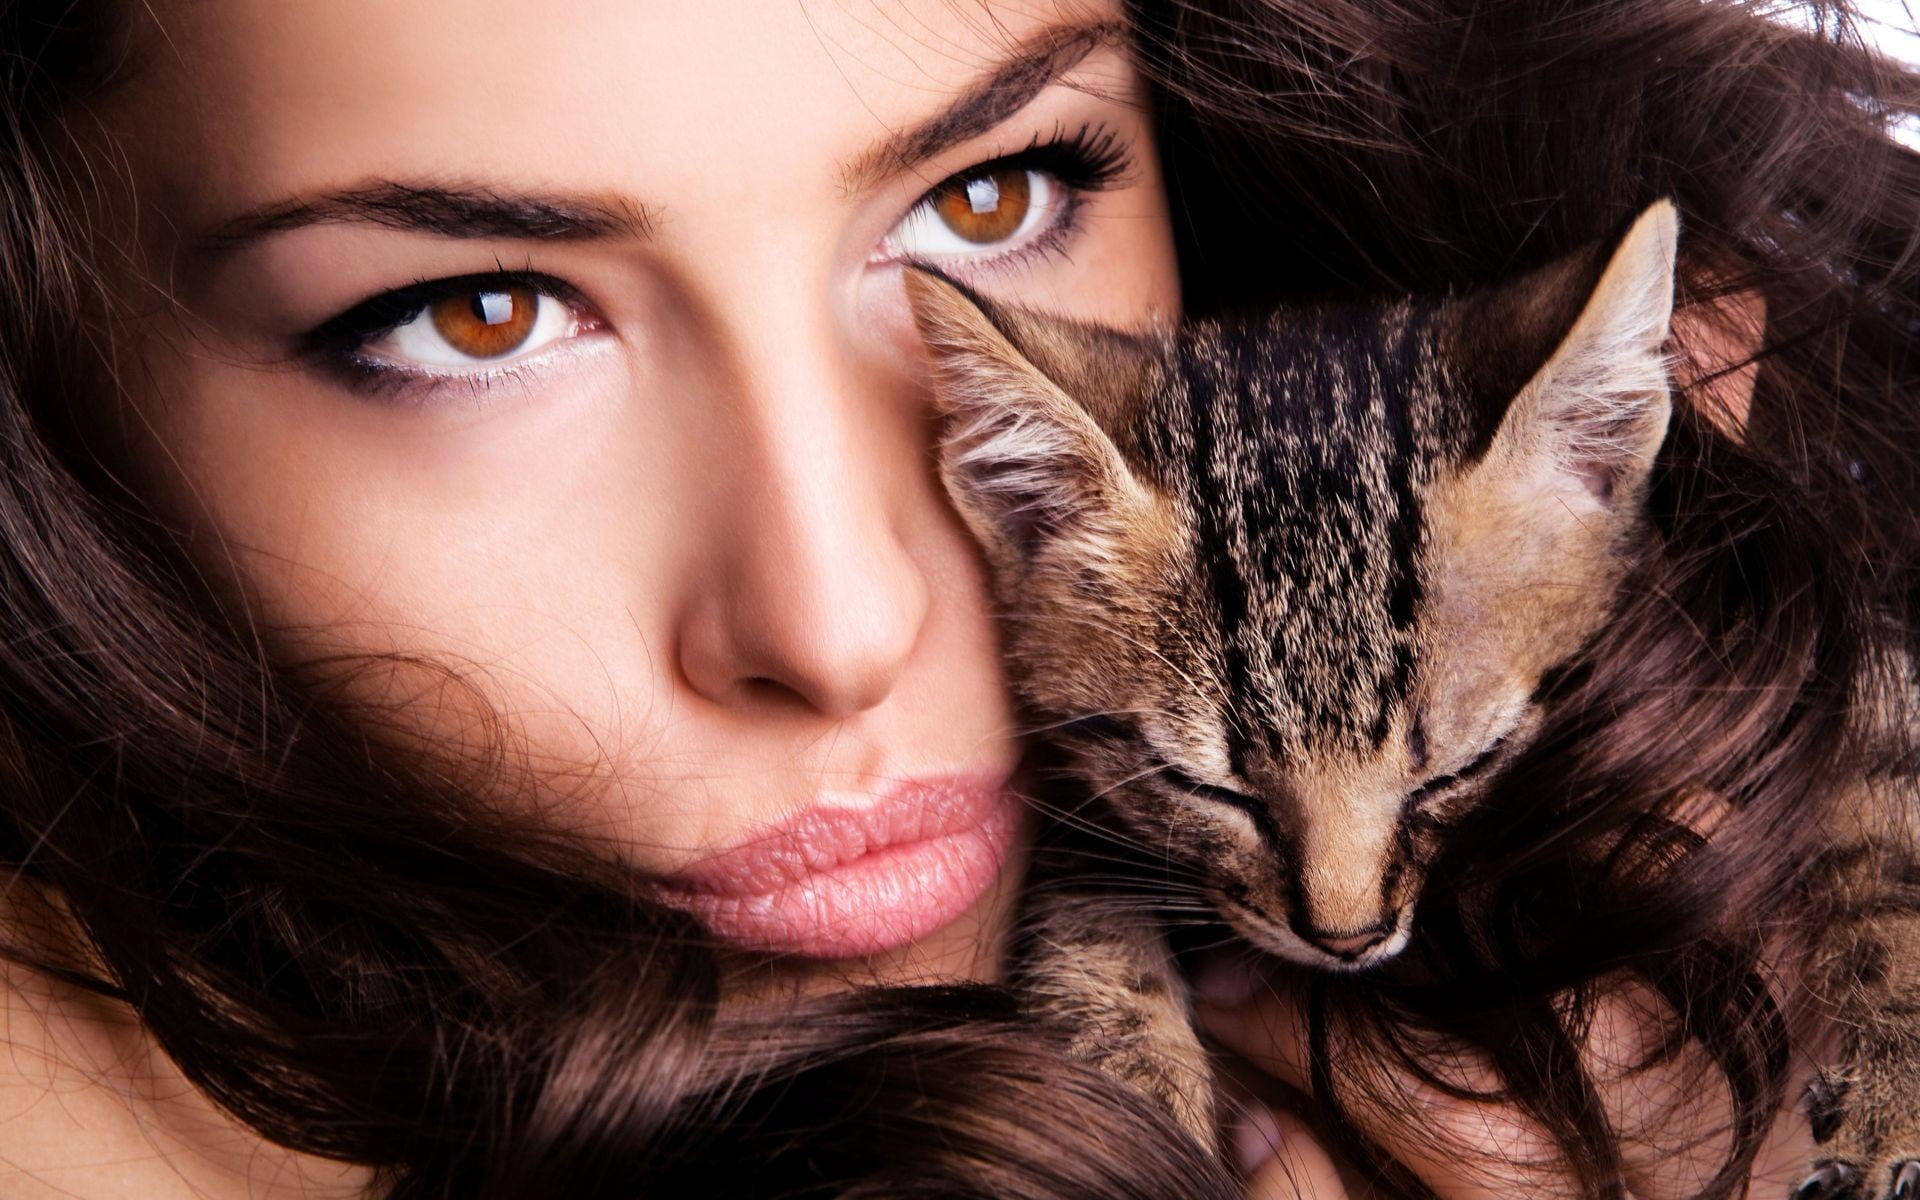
(844, 882)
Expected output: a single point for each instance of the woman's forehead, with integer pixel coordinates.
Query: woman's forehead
(243, 103)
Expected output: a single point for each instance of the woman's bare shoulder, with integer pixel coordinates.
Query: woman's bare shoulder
(90, 1106)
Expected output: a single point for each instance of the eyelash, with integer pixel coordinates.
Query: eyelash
(1090, 159)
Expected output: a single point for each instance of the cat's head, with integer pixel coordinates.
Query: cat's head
(1288, 588)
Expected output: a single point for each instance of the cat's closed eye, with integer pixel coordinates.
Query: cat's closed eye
(1439, 784)
(1208, 791)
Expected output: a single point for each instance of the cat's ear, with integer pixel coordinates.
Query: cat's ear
(1034, 411)
(1592, 419)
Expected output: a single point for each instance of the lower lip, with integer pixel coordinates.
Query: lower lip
(845, 883)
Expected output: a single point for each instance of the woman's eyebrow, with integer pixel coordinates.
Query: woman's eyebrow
(1033, 65)
(448, 210)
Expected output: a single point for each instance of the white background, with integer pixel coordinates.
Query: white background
(1888, 23)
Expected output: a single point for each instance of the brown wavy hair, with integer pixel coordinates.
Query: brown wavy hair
(339, 945)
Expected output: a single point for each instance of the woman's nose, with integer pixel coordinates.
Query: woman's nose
(813, 598)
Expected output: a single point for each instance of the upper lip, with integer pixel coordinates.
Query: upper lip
(824, 837)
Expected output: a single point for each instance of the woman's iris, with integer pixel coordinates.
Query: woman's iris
(487, 323)
(987, 206)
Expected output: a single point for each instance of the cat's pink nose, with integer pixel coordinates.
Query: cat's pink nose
(1348, 945)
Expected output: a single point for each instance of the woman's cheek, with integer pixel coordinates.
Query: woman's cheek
(882, 319)
(511, 545)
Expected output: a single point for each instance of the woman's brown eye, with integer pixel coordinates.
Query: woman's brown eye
(487, 323)
(986, 207)
(469, 324)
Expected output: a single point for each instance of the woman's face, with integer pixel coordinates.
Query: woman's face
(566, 346)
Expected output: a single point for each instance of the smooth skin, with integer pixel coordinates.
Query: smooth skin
(689, 545)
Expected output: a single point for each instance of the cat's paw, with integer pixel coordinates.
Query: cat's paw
(1867, 1124)
(1895, 1177)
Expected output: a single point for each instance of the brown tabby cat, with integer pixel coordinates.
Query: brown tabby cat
(1287, 598)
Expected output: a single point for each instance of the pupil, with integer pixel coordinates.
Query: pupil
(493, 308)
